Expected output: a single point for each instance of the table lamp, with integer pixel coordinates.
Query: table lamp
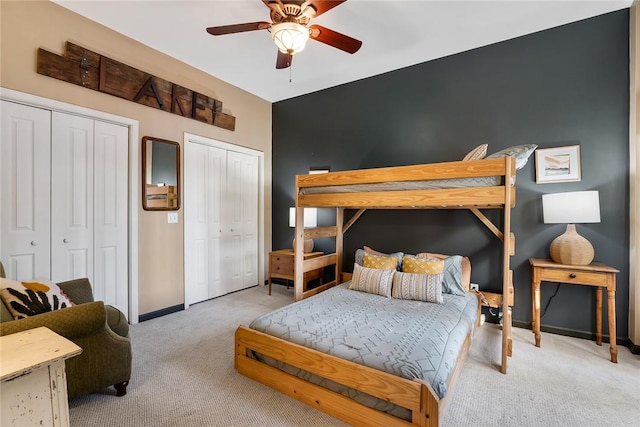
(572, 208)
(310, 221)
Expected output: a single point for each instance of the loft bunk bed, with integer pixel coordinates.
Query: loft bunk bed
(472, 185)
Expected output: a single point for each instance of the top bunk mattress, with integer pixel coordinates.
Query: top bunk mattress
(409, 339)
(484, 181)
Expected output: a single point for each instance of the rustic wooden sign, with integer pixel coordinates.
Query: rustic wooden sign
(85, 68)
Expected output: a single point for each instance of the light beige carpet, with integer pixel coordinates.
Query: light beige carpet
(183, 376)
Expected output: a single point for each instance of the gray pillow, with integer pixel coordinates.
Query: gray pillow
(452, 275)
(452, 279)
(520, 152)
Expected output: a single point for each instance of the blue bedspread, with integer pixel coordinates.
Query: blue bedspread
(410, 339)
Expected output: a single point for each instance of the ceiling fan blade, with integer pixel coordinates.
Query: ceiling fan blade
(321, 6)
(334, 38)
(283, 60)
(238, 28)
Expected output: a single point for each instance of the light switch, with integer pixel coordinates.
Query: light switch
(172, 217)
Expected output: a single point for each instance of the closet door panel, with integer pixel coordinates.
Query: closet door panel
(72, 197)
(242, 188)
(196, 225)
(25, 191)
(233, 233)
(216, 180)
(204, 184)
(250, 202)
(110, 215)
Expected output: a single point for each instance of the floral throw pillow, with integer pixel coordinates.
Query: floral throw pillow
(24, 299)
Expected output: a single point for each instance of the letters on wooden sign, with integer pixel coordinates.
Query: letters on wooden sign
(85, 68)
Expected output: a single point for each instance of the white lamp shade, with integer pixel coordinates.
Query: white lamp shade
(576, 207)
(310, 217)
(289, 37)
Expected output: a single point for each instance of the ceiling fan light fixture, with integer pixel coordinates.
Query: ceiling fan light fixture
(289, 37)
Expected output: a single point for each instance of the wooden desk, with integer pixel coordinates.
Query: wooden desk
(281, 267)
(595, 274)
(34, 384)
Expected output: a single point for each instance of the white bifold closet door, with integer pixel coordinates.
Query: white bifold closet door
(221, 221)
(65, 179)
(25, 192)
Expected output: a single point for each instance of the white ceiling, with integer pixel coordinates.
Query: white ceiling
(395, 34)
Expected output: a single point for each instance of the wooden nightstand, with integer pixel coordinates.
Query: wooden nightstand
(595, 274)
(281, 267)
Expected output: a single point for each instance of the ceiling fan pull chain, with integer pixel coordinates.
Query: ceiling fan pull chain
(290, 73)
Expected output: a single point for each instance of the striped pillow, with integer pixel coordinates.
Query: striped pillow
(372, 281)
(477, 153)
(418, 287)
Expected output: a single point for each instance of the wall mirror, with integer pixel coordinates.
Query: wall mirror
(160, 174)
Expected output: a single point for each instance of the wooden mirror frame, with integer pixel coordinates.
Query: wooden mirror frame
(159, 198)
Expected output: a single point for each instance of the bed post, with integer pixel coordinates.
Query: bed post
(506, 269)
(339, 243)
(298, 249)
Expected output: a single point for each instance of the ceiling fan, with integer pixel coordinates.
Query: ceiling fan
(289, 30)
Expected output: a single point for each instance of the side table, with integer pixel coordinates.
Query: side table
(34, 384)
(281, 266)
(595, 274)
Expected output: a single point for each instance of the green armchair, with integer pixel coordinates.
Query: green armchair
(101, 331)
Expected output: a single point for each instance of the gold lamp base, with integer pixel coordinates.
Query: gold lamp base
(571, 248)
(308, 245)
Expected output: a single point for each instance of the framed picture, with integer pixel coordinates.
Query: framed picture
(561, 164)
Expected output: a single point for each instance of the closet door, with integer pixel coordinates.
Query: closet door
(242, 214)
(221, 221)
(205, 180)
(25, 145)
(110, 219)
(72, 197)
(64, 191)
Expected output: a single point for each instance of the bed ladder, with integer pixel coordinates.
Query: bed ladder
(504, 300)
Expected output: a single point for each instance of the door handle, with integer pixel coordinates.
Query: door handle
(33, 243)
(65, 240)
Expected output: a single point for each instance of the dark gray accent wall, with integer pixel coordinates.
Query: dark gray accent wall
(564, 86)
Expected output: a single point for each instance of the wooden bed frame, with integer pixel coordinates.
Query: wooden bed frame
(417, 396)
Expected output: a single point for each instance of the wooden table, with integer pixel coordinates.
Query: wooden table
(281, 266)
(595, 274)
(34, 384)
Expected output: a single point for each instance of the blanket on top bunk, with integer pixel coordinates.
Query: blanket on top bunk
(410, 339)
(484, 181)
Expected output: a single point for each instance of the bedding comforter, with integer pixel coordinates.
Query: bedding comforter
(484, 181)
(410, 339)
